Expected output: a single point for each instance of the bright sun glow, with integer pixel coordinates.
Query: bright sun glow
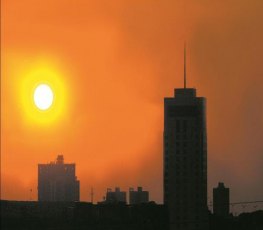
(43, 97)
(43, 93)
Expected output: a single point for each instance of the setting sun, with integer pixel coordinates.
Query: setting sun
(43, 93)
(43, 97)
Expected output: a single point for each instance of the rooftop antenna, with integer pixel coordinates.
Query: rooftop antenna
(91, 194)
(184, 65)
(30, 196)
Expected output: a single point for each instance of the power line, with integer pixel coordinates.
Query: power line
(242, 202)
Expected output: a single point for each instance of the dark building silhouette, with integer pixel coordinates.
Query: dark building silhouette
(115, 196)
(139, 196)
(221, 200)
(185, 159)
(57, 181)
(21, 215)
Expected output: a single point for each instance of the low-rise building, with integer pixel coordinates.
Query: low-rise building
(115, 196)
(221, 200)
(139, 196)
(57, 181)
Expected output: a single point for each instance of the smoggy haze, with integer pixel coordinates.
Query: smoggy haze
(118, 60)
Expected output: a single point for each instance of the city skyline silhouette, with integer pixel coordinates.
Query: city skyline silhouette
(115, 64)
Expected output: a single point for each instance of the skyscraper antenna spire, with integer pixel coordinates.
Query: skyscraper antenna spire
(184, 65)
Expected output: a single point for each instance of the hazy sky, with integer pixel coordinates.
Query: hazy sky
(117, 61)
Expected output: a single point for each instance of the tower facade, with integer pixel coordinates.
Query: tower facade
(57, 181)
(185, 160)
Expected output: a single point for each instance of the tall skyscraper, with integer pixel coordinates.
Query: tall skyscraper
(57, 181)
(185, 159)
(221, 200)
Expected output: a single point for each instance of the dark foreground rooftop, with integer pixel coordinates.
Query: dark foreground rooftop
(79, 215)
(19, 215)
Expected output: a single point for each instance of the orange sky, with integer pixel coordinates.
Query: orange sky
(118, 60)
